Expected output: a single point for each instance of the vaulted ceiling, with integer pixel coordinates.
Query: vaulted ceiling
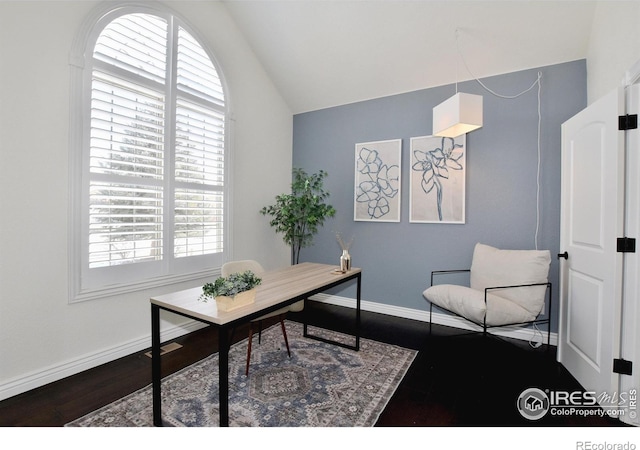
(323, 53)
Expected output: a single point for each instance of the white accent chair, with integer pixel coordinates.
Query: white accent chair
(506, 287)
(248, 264)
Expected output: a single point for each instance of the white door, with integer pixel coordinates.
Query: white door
(592, 219)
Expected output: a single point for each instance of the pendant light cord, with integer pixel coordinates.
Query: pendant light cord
(537, 82)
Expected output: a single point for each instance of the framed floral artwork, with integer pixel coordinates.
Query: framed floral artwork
(437, 179)
(377, 181)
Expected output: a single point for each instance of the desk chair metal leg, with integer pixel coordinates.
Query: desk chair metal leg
(284, 333)
(246, 372)
(251, 325)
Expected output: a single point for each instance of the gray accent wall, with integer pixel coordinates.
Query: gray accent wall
(501, 179)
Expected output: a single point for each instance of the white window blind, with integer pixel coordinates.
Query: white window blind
(135, 43)
(155, 190)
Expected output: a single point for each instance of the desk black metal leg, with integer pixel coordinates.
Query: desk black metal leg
(305, 316)
(223, 373)
(155, 366)
(356, 347)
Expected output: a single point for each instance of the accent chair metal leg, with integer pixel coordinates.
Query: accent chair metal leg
(430, 317)
(550, 288)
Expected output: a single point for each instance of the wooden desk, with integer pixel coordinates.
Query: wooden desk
(279, 288)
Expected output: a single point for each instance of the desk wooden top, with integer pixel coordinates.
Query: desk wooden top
(277, 287)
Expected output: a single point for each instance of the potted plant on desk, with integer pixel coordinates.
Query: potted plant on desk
(232, 292)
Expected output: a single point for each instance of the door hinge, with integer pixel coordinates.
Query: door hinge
(628, 122)
(622, 366)
(626, 245)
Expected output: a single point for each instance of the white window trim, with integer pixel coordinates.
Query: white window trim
(80, 91)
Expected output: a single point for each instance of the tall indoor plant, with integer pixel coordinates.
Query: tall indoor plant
(299, 214)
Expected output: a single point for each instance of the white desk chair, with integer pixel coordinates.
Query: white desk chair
(255, 267)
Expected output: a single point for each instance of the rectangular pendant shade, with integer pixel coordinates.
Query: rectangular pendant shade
(459, 114)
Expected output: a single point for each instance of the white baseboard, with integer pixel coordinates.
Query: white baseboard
(54, 373)
(520, 333)
(60, 371)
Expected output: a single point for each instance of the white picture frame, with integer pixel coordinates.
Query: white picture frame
(437, 180)
(377, 196)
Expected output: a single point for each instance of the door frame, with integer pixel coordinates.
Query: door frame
(629, 333)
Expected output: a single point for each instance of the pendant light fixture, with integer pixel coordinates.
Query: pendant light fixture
(459, 114)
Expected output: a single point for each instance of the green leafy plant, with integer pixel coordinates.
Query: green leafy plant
(299, 214)
(231, 285)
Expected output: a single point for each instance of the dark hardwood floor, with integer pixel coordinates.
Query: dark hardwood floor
(457, 378)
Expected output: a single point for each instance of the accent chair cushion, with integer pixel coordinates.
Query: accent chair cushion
(492, 267)
(469, 303)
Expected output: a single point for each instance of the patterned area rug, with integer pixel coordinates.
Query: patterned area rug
(321, 385)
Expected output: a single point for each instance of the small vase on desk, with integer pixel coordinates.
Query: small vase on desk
(345, 261)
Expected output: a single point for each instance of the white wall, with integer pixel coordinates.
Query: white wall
(42, 336)
(614, 46)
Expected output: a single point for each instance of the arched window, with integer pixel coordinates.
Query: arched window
(152, 175)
